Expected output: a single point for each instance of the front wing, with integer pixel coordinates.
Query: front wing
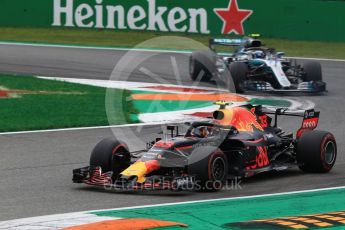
(305, 87)
(94, 176)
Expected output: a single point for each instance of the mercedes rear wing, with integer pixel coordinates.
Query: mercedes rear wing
(244, 42)
(226, 41)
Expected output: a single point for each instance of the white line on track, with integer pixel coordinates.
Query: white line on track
(84, 128)
(96, 47)
(52, 222)
(134, 49)
(318, 59)
(129, 85)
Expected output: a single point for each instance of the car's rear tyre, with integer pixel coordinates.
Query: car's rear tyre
(316, 151)
(202, 65)
(238, 72)
(312, 71)
(210, 171)
(111, 155)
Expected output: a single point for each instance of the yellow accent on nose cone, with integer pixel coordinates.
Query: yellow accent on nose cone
(137, 169)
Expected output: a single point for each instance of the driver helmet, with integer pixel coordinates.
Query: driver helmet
(201, 132)
(259, 54)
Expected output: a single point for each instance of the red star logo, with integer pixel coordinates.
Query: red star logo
(233, 18)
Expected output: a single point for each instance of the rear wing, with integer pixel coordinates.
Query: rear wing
(310, 119)
(225, 42)
(246, 42)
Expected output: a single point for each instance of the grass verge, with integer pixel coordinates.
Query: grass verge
(46, 104)
(131, 39)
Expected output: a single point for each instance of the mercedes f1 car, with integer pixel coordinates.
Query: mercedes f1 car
(254, 67)
(237, 142)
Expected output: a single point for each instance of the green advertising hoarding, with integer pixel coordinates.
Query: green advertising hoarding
(291, 19)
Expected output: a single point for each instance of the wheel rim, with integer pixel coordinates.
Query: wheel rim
(218, 168)
(329, 152)
(115, 164)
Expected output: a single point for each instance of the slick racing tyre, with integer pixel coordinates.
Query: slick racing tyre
(210, 166)
(238, 71)
(111, 155)
(202, 65)
(312, 71)
(316, 151)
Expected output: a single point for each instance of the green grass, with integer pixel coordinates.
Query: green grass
(228, 214)
(80, 106)
(131, 39)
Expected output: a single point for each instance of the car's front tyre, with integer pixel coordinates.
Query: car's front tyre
(210, 166)
(238, 71)
(202, 65)
(111, 155)
(312, 71)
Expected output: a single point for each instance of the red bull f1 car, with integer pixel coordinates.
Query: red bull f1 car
(237, 142)
(253, 67)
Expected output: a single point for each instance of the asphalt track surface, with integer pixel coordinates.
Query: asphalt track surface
(36, 168)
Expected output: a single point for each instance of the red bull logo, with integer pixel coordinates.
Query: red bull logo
(140, 169)
(261, 159)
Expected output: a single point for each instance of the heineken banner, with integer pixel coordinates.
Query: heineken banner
(291, 19)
